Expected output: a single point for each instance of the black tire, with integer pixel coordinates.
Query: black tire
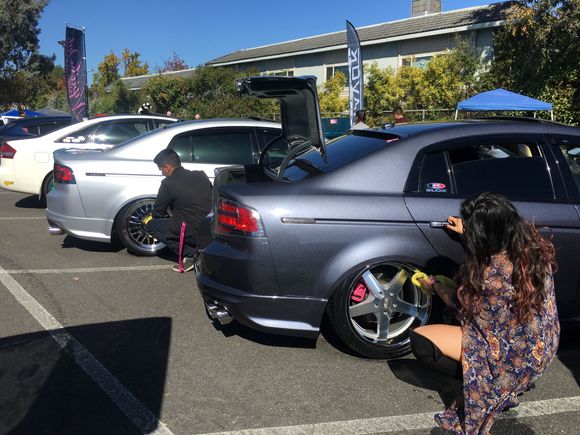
(129, 231)
(355, 327)
(47, 185)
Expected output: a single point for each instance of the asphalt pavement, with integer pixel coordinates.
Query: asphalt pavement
(94, 340)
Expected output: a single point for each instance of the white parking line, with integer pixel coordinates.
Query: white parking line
(406, 422)
(91, 269)
(144, 419)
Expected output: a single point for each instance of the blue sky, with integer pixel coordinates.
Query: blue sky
(199, 31)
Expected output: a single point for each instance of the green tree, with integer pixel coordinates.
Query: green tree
(330, 94)
(117, 100)
(380, 94)
(132, 66)
(214, 95)
(167, 93)
(450, 77)
(19, 30)
(537, 54)
(107, 73)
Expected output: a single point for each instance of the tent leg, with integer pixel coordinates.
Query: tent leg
(551, 115)
(456, 113)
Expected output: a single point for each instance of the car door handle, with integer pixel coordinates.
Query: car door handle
(438, 224)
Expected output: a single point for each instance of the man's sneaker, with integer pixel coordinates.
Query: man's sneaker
(188, 263)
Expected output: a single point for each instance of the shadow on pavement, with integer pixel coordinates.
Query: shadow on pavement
(43, 391)
(569, 349)
(415, 373)
(90, 246)
(264, 338)
(31, 201)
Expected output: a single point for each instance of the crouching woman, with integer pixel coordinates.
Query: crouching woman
(505, 301)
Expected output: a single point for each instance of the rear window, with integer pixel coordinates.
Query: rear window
(340, 152)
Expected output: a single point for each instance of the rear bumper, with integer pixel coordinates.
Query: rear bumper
(65, 210)
(286, 315)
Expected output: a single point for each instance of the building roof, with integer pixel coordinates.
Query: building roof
(137, 82)
(492, 15)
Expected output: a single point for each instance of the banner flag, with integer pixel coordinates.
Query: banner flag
(75, 73)
(355, 71)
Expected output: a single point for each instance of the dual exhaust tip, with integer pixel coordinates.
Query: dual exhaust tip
(218, 312)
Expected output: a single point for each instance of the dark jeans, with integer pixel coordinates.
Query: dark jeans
(160, 227)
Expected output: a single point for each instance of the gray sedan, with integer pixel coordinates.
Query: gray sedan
(103, 195)
(335, 232)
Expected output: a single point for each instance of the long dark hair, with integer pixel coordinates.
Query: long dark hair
(491, 225)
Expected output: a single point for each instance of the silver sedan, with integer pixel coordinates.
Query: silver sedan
(103, 195)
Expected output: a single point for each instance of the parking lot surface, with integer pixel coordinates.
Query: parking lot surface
(94, 340)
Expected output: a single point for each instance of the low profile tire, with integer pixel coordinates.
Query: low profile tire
(129, 230)
(374, 310)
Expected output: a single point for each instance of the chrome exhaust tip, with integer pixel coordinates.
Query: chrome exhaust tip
(54, 230)
(218, 312)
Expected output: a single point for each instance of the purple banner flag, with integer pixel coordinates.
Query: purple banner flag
(355, 71)
(75, 73)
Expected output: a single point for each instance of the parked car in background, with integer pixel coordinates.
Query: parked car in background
(335, 231)
(26, 165)
(23, 128)
(104, 196)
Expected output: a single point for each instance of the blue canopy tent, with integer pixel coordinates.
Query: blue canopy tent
(14, 112)
(500, 99)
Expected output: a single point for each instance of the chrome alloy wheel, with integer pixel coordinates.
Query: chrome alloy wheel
(136, 238)
(384, 304)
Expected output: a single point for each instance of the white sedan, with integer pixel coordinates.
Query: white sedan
(26, 165)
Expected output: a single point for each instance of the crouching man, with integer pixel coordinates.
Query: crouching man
(187, 194)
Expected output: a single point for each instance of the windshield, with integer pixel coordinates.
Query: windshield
(340, 152)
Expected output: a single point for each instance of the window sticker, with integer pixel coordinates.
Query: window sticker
(436, 188)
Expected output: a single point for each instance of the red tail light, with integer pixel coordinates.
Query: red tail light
(6, 151)
(232, 218)
(63, 174)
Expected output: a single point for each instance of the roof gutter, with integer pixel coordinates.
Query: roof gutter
(479, 26)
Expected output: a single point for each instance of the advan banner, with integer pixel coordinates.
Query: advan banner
(355, 71)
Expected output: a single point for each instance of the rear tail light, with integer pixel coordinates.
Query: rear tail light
(63, 174)
(233, 218)
(6, 151)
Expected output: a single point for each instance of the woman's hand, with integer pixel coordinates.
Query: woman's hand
(455, 224)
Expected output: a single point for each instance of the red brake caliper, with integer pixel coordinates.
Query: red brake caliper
(360, 293)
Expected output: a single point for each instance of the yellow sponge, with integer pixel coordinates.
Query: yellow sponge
(417, 278)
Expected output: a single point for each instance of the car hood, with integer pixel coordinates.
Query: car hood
(298, 105)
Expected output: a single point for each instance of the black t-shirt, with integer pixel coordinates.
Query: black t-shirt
(188, 195)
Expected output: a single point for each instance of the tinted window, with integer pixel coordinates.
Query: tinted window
(80, 136)
(182, 146)
(265, 135)
(47, 128)
(117, 132)
(516, 170)
(572, 157)
(340, 152)
(227, 147)
(434, 177)
(160, 123)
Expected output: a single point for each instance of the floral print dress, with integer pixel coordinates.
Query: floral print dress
(500, 358)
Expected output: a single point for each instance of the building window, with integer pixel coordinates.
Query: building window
(332, 70)
(279, 73)
(418, 61)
